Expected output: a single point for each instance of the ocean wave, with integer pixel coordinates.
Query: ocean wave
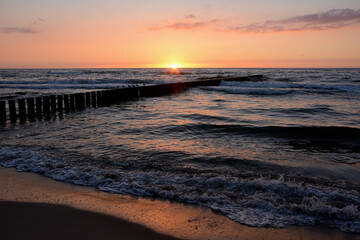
(62, 86)
(83, 85)
(330, 133)
(257, 201)
(309, 110)
(78, 71)
(75, 81)
(251, 91)
(292, 85)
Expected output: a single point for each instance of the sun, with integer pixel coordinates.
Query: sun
(174, 66)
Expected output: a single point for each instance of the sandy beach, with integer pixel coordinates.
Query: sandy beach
(48, 221)
(36, 207)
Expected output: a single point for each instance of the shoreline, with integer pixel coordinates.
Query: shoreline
(39, 194)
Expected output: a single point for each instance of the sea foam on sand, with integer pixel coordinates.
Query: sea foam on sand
(175, 219)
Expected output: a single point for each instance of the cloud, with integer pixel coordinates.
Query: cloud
(37, 21)
(189, 26)
(190, 16)
(332, 19)
(26, 30)
(187, 23)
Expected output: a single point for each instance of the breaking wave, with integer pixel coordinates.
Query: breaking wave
(254, 200)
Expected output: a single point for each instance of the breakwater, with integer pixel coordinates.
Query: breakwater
(32, 108)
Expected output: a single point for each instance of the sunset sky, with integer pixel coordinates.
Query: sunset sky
(158, 33)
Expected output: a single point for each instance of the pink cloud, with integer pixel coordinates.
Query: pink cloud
(187, 23)
(26, 30)
(332, 19)
(190, 16)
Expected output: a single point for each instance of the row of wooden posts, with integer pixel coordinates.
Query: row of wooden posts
(38, 107)
(32, 108)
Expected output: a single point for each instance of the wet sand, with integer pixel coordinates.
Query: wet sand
(48, 221)
(35, 207)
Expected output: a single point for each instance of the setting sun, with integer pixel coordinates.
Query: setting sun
(174, 65)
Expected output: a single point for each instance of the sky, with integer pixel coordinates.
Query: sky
(159, 33)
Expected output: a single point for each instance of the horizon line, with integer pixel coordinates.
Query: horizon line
(44, 68)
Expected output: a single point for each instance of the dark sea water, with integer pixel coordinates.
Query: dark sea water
(273, 153)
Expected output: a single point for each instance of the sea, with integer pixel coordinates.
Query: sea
(273, 152)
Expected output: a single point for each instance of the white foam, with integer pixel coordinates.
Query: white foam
(259, 202)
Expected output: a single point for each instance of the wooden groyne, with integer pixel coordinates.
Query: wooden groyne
(39, 107)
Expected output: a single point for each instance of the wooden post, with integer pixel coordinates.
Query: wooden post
(113, 97)
(2, 111)
(99, 98)
(12, 110)
(39, 106)
(93, 99)
(66, 103)
(80, 100)
(60, 103)
(22, 109)
(30, 107)
(53, 103)
(88, 99)
(46, 104)
(116, 95)
(72, 102)
(125, 93)
(106, 97)
(132, 92)
(77, 100)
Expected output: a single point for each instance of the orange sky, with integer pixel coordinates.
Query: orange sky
(64, 34)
